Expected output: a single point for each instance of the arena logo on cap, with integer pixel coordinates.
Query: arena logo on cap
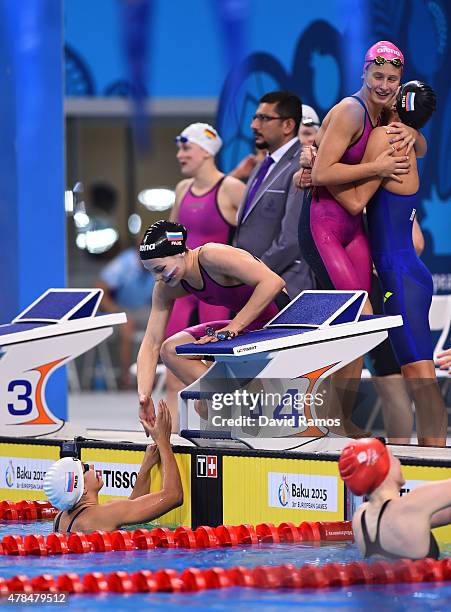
(385, 49)
(147, 247)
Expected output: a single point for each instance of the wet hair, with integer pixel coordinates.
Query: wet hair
(163, 239)
(288, 105)
(415, 103)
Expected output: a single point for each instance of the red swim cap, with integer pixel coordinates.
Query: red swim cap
(383, 48)
(363, 465)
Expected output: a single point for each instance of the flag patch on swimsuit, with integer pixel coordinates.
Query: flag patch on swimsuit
(172, 236)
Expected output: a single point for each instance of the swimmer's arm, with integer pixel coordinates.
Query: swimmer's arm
(239, 264)
(434, 498)
(229, 198)
(354, 197)
(180, 191)
(150, 506)
(344, 123)
(142, 484)
(149, 351)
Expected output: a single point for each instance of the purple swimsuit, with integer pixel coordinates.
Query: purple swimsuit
(233, 297)
(339, 237)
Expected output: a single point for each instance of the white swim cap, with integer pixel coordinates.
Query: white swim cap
(64, 483)
(203, 135)
(309, 116)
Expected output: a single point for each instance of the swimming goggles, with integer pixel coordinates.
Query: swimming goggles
(380, 61)
(181, 140)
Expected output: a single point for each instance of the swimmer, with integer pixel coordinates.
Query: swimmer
(332, 241)
(406, 282)
(388, 525)
(73, 487)
(206, 203)
(216, 274)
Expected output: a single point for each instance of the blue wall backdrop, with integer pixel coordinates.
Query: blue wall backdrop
(239, 49)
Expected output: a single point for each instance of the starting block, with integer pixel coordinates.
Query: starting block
(60, 325)
(315, 335)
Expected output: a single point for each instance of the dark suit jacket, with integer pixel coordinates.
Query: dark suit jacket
(269, 229)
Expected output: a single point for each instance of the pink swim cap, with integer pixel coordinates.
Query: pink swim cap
(385, 49)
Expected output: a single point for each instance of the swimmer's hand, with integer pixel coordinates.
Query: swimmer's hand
(307, 157)
(228, 333)
(401, 136)
(444, 360)
(389, 166)
(302, 179)
(151, 456)
(146, 410)
(160, 429)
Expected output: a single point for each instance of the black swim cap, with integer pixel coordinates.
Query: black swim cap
(415, 103)
(163, 239)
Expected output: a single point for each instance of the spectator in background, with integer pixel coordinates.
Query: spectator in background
(306, 134)
(127, 287)
(271, 205)
(206, 203)
(309, 126)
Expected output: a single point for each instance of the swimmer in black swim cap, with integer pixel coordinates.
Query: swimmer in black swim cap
(415, 103)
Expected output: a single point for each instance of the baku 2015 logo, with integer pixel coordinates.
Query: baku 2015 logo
(284, 492)
(9, 475)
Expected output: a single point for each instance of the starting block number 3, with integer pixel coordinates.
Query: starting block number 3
(23, 390)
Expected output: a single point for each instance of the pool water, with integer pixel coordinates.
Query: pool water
(426, 596)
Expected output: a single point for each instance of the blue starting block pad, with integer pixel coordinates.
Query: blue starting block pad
(312, 317)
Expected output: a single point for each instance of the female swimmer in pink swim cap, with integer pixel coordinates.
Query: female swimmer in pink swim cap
(332, 240)
(388, 525)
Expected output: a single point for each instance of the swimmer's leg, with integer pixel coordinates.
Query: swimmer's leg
(185, 368)
(430, 410)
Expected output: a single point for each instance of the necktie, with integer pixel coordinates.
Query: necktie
(262, 171)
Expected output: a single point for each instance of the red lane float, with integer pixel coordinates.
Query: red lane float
(265, 577)
(162, 537)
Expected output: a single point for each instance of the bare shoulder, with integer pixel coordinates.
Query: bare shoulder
(183, 186)
(348, 110)
(233, 188)
(230, 182)
(213, 252)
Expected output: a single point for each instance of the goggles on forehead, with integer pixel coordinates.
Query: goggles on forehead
(309, 123)
(380, 61)
(181, 140)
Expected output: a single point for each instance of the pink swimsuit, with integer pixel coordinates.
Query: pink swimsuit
(205, 223)
(339, 236)
(234, 297)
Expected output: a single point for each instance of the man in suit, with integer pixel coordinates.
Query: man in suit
(269, 213)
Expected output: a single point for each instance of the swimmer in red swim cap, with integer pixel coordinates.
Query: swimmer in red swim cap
(388, 525)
